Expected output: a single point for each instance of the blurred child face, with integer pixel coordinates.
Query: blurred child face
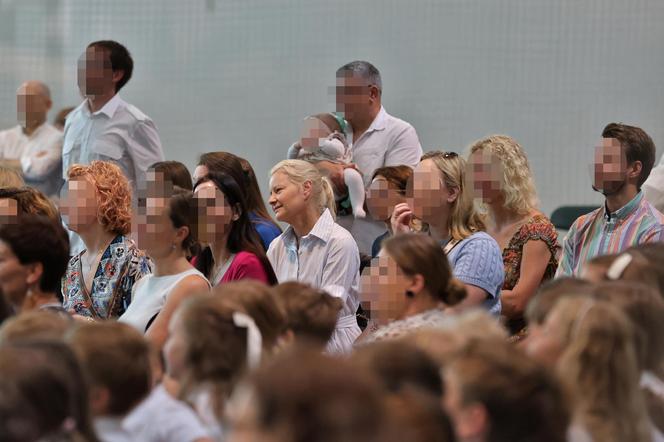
(485, 171)
(215, 215)
(175, 348)
(464, 417)
(314, 131)
(79, 207)
(383, 287)
(13, 275)
(544, 342)
(610, 167)
(286, 197)
(381, 198)
(428, 193)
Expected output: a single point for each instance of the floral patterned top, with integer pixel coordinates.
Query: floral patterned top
(434, 318)
(538, 227)
(120, 266)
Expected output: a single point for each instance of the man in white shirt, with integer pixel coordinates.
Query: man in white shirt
(378, 138)
(34, 147)
(105, 127)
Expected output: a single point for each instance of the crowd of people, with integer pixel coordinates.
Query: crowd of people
(393, 294)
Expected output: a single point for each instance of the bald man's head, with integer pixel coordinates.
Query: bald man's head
(33, 101)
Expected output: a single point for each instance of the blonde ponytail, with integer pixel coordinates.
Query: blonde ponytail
(299, 171)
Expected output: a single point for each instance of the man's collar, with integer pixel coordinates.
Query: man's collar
(625, 211)
(379, 122)
(109, 108)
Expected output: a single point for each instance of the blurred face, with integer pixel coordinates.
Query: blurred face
(610, 167)
(314, 132)
(383, 289)
(353, 97)
(486, 174)
(288, 199)
(8, 210)
(242, 416)
(95, 76)
(544, 341)
(381, 198)
(31, 105)
(13, 276)
(155, 231)
(215, 215)
(79, 205)
(175, 348)
(429, 197)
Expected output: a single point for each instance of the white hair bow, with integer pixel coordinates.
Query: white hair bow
(254, 338)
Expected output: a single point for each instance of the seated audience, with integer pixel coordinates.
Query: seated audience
(99, 280)
(256, 300)
(225, 162)
(34, 253)
(232, 250)
(310, 314)
(43, 394)
(306, 396)
(10, 178)
(323, 138)
(35, 325)
(387, 189)
(623, 161)
(15, 201)
(502, 179)
(494, 393)
(34, 147)
(210, 346)
(116, 363)
(590, 344)
(408, 287)
(174, 172)
(166, 231)
(314, 249)
(438, 197)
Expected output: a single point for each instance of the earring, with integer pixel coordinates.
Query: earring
(173, 246)
(410, 294)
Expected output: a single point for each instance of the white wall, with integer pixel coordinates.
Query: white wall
(239, 75)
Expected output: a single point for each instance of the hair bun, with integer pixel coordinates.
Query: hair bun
(455, 292)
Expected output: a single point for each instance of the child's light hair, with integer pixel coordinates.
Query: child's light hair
(299, 172)
(517, 183)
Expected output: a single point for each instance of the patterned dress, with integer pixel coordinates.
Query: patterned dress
(538, 227)
(121, 265)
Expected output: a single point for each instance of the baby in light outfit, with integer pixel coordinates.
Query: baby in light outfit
(324, 139)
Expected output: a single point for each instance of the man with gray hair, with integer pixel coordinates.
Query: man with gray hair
(378, 138)
(34, 147)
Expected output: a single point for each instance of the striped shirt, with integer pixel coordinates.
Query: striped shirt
(603, 233)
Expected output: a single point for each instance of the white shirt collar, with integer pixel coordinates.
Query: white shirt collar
(108, 109)
(321, 230)
(379, 122)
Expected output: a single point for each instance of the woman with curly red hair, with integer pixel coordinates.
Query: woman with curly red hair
(99, 280)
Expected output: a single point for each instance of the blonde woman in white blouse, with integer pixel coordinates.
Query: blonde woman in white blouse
(314, 249)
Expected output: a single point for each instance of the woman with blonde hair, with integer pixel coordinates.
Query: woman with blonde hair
(99, 280)
(438, 198)
(590, 344)
(504, 183)
(314, 249)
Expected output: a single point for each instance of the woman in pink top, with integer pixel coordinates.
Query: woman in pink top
(231, 247)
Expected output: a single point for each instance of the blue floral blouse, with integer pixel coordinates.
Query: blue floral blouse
(121, 265)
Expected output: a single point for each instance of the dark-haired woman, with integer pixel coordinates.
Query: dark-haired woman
(243, 174)
(232, 249)
(166, 229)
(407, 287)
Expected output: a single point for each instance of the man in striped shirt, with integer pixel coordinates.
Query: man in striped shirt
(622, 163)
